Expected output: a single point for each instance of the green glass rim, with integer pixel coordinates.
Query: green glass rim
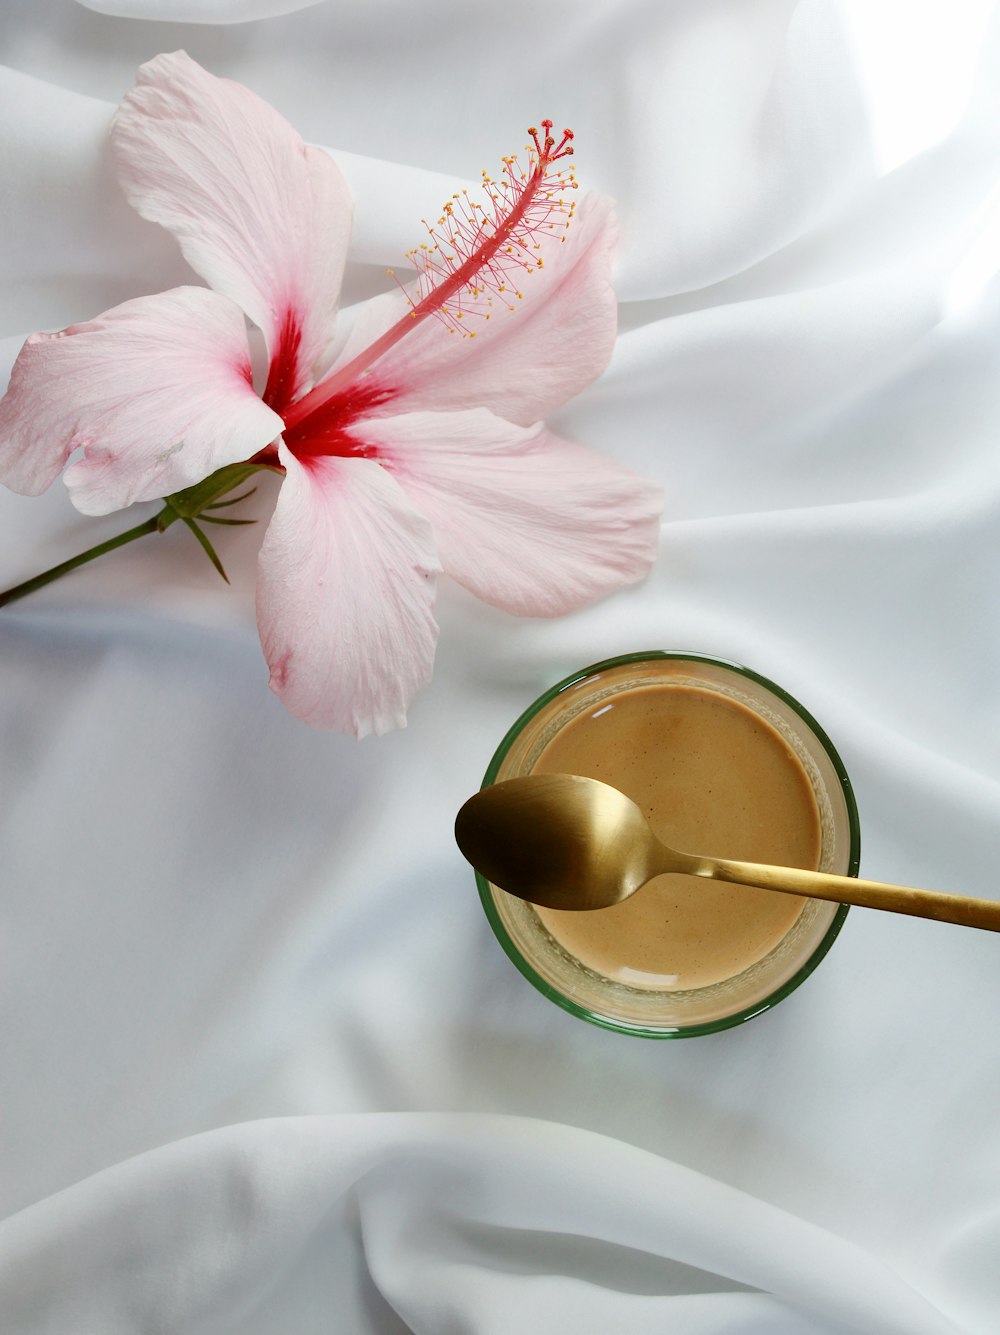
(801, 974)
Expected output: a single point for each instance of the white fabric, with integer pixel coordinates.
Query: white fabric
(264, 1066)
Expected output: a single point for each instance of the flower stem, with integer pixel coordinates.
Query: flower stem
(153, 525)
(186, 505)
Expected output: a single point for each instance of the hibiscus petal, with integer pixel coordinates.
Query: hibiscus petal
(531, 523)
(156, 392)
(345, 589)
(522, 363)
(260, 216)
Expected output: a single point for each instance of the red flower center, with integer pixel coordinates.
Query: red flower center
(325, 430)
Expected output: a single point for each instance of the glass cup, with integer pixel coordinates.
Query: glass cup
(656, 1013)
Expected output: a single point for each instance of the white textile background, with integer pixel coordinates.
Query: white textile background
(265, 1069)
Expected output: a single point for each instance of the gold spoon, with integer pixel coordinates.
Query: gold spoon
(567, 842)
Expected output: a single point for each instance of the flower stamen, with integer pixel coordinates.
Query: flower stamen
(475, 254)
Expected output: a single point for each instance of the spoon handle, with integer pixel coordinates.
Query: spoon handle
(962, 909)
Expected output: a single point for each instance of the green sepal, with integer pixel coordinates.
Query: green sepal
(189, 503)
(192, 502)
(233, 500)
(207, 547)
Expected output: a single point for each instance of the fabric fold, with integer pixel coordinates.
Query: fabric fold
(460, 1216)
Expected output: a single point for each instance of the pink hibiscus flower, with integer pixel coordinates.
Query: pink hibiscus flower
(406, 449)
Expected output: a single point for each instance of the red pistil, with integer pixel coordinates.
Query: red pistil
(549, 149)
(474, 253)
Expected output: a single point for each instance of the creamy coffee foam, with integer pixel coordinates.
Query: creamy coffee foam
(713, 778)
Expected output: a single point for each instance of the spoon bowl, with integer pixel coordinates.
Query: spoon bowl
(558, 840)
